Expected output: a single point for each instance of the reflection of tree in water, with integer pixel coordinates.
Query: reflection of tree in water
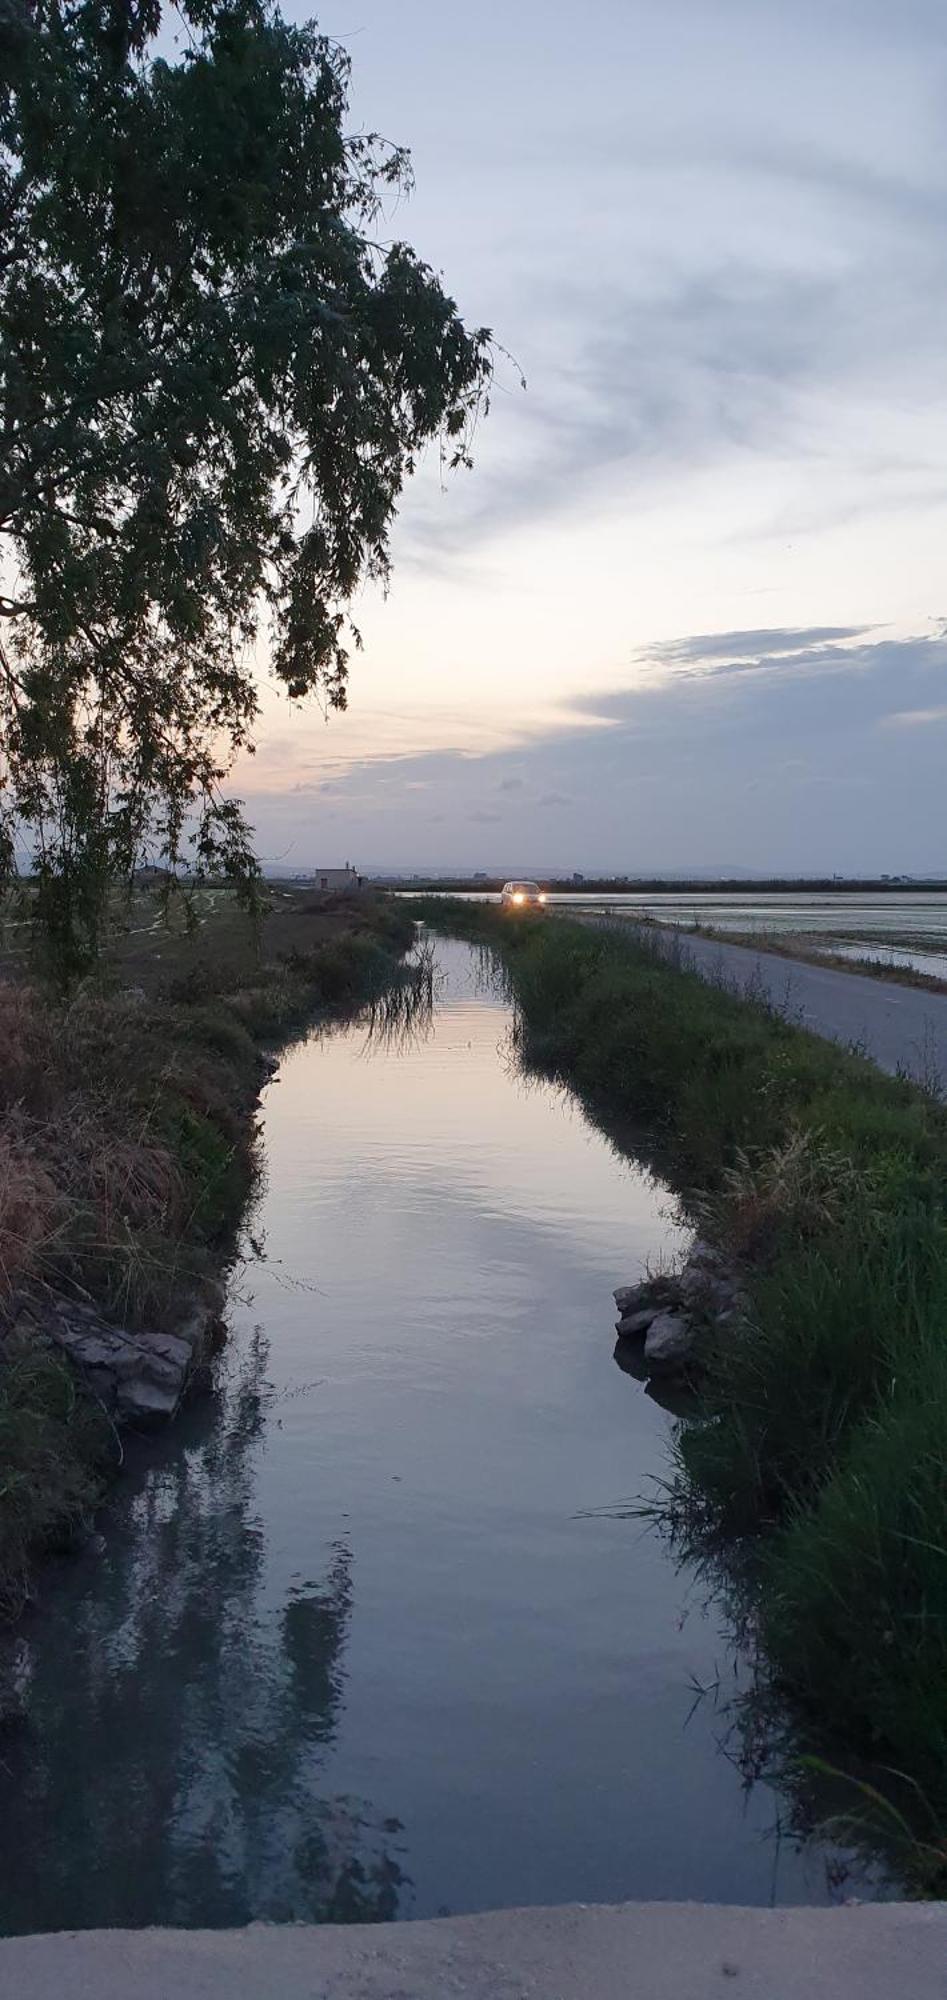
(403, 1014)
(168, 1767)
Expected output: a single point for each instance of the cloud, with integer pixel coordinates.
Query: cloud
(730, 247)
(913, 718)
(722, 661)
(800, 767)
(723, 265)
(721, 348)
(752, 648)
(670, 375)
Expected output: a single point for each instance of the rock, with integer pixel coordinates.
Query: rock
(146, 1403)
(668, 1312)
(86, 1348)
(194, 1331)
(669, 1342)
(172, 1349)
(707, 1286)
(705, 1256)
(629, 1357)
(673, 1393)
(656, 1292)
(141, 1375)
(718, 1299)
(633, 1325)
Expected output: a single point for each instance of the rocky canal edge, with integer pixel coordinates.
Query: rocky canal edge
(138, 1375)
(671, 1317)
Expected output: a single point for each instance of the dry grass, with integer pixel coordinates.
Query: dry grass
(798, 1188)
(125, 1143)
(127, 1150)
(84, 1169)
(31, 1213)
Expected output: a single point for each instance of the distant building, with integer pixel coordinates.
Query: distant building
(335, 881)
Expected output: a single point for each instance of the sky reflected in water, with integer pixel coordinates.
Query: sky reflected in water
(359, 1643)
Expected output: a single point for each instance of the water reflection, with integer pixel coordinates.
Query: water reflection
(194, 1793)
(366, 1638)
(863, 1818)
(673, 1396)
(404, 1012)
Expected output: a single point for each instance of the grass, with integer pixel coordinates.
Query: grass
(128, 1148)
(820, 1435)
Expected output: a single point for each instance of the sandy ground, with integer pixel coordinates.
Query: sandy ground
(637, 1951)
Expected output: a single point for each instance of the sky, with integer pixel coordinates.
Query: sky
(688, 610)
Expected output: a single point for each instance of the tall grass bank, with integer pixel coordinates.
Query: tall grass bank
(819, 1438)
(128, 1150)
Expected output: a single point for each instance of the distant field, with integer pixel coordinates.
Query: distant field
(147, 951)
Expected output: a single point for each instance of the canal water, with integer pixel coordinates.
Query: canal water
(370, 1632)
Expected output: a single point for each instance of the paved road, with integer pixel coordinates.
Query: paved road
(635, 1951)
(901, 1027)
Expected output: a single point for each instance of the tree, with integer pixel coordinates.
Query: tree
(214, 381)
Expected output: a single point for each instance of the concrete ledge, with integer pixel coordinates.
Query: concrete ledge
(635, 1951)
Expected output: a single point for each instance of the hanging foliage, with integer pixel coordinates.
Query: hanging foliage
(214, 381)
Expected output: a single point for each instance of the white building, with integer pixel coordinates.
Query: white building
(334, 880)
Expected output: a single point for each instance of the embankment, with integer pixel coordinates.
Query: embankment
(630, 1951)
(818, 1443)
(128, 1151)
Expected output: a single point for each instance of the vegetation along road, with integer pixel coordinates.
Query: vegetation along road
(902, 1028)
